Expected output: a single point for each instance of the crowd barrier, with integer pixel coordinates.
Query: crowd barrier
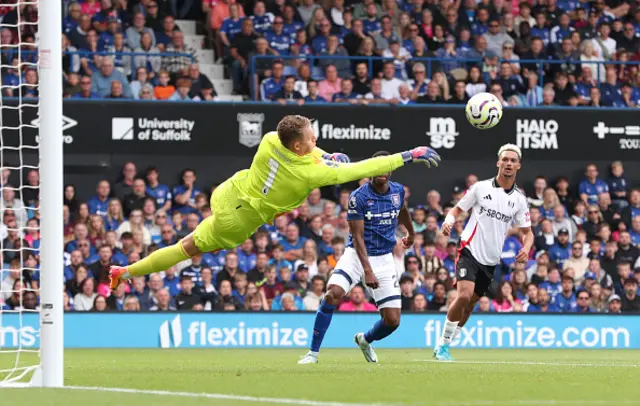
(294, 330)
(225, 129)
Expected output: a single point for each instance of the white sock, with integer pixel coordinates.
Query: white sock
(457, 333)
(448, 332)
(314, 353)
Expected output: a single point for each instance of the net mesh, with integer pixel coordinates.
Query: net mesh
(19, 206)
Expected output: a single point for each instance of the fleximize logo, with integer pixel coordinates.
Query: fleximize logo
(199, 334)
(331, 132)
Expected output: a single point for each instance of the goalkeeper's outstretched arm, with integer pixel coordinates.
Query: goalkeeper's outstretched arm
(327, 173)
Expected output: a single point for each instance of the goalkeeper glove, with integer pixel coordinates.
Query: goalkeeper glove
(424, 155)
(337, 157)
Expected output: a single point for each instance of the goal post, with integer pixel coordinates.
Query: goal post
(51, 197)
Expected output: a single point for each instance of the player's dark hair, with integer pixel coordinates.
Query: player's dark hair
(150, 170)
(381, 153)
(126, 236)
(290, 129)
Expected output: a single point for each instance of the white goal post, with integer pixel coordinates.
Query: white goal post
(47, 370)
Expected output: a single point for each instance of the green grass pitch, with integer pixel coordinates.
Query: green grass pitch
(342, 378)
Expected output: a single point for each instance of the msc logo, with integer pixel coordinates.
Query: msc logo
(171, 333)
(442, 132)
(250, 129)
(122, 128)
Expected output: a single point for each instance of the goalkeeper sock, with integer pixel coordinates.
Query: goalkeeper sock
(158, 261)
(323, 320)
(448, 332)
(378, 331)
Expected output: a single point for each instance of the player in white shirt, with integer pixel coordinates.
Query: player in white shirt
(495, 204)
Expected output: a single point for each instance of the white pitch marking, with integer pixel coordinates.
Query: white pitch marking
(219, 396)
(558, 364)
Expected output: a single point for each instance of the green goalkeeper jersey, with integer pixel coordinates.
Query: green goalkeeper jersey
(279, 181)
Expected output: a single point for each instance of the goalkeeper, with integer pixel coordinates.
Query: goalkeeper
(286, 168)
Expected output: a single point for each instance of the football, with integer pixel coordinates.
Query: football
(484, 111)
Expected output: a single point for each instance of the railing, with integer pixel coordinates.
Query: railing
(25, 56)
(429, 64)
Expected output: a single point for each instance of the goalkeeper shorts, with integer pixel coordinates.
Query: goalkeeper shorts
(232, 221)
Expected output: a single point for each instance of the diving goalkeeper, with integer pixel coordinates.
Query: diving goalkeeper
(286, 168)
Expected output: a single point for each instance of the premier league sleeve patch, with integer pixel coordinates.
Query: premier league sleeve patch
(395, 199)
(352, 202)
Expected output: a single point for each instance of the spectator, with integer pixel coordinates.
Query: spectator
(543, 305)
(163, 302)
(354, 39)
(592, 186)
(346, 95)
(357, 302)
(604, 46)
(361, 83)
(331, 84)
(148, 56)
(630, 299)
(504, 301)
(306, 10)
(115, 302)
(614, 304)
(390, 84)
(333, 48)
(287, 93)
(459, 93)
(182, 91)
(121, 54)
(101, 81)
(314, 296)
(271, 85)
(566, 300)
(278, 40)
(141, 81)
(164, 89)
(187, 299)
(231, 26)
(78, 35)
(180, 58)
(433, 95)
(320, 42)
(83, 301)
(164, 35)
(313, 97)
(135, 31)
(261, 19)
(116, 91)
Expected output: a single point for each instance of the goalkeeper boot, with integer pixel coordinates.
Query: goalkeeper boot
(310, 358)
(367, 349)
(441, 353)
(115, 276)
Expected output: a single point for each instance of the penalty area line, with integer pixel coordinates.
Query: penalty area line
(217, 396)
(558, 364)
(532, 402)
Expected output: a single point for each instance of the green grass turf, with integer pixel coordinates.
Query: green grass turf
(581, 377)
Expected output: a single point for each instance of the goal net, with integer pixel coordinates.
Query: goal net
(31, 173)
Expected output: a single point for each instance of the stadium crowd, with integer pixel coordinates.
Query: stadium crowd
(586, 256)
(478, 46)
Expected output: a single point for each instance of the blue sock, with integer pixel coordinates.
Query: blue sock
(323, 320)
(378, 331)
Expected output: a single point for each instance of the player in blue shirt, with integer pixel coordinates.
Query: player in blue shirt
(591, 187)
(161, 193)
(278, 40)
(374, 211)
(99, 203)
(566, 299)
(291, 26)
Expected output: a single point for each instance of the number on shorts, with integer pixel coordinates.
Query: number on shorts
(273, 170)
(395, 281)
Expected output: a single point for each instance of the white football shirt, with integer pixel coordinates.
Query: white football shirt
(493, 212)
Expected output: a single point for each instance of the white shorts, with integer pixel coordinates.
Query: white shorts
(349, 272)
